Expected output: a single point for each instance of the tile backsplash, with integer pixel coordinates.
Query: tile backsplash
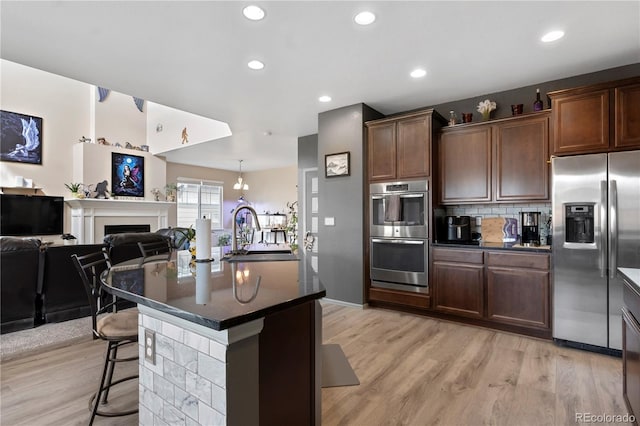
(503, 210)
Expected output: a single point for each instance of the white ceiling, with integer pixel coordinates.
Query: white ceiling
(192, 56)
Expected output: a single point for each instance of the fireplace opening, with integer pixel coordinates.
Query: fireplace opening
(120, 229)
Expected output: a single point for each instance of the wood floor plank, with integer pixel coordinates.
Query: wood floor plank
(413, 370)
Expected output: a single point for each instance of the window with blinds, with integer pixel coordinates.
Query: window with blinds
(198, 200)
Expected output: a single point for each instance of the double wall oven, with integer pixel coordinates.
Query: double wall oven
(399, 244)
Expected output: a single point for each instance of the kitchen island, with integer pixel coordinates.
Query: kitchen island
(225, 342)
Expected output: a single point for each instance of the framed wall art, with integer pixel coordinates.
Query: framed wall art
(20, 138)
(337, 164)
(127, 175)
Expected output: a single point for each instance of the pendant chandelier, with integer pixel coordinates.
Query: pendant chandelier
(240, 184)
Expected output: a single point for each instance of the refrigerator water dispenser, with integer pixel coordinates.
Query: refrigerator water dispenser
(579, 223)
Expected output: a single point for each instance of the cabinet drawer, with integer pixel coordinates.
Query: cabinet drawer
(518, 260)
(631, 299)
(454, 255)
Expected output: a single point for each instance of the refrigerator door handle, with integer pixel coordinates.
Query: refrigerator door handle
(613, 228)
(603, 227)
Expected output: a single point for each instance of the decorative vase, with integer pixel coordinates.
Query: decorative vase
(486, 115)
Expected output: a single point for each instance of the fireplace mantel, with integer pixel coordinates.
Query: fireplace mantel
(89, 215)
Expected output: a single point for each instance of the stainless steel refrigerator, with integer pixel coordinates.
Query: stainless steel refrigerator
(596, 229)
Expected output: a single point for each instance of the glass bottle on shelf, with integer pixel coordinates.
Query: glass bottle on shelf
(537, 105)
(452, 118)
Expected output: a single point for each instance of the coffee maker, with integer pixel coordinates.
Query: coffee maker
(530, 228)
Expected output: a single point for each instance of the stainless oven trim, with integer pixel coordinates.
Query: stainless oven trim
(398, 279)
(415, 189)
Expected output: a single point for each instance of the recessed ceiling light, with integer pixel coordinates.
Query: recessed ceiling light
(552, 36)
(364, 18)
(324, 98)
(255, 65)
(253, 12)
(418, 72)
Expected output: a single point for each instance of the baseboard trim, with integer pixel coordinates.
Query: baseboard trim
(343, 303)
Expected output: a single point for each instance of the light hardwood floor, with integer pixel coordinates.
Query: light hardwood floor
(413, 371)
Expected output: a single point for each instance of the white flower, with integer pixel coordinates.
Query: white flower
(486, 106)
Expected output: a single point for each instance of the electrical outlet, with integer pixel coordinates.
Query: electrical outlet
(150, 346)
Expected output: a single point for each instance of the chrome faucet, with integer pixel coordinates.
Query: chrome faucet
(234, 232)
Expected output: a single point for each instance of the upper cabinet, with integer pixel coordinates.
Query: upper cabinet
(465, 165)
(400, 147)
(599, 118)
(497, 161)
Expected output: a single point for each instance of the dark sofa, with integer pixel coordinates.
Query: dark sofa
(40, 284)
(63, 294)
(20, 275)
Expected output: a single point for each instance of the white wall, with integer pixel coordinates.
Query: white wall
(199, 129)
(63, 104)
(118, 120)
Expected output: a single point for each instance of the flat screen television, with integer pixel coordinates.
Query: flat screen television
(24, 215)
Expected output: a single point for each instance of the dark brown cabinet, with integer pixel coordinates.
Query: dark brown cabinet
(521, 154)
(627, 114)
(465, 165)
(458, 282)
(518, 288)
(400, 147)
(631, 347)
(581, 118)
(499, 161)
(502, 289)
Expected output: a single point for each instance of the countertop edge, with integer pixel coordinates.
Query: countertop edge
(505, 247)
(211, 323)
(632, 276)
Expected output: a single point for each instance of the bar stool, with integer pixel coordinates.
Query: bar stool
(116, 328)
(156, 249)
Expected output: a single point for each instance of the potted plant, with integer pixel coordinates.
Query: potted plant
(224, 241)
(76, 189)
(171, 189)
(189, 235)
(292, 226)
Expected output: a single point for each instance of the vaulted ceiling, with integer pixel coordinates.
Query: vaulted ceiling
(193, 55)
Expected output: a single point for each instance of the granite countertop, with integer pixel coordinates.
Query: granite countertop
(632, 276)
(206, 294)
(494, 246)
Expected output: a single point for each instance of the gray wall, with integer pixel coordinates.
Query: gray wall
(307, 159)
(527, 94)
(340, 247)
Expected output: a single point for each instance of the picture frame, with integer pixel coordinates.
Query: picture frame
(127, 175)
(338, 164)
(20, 138)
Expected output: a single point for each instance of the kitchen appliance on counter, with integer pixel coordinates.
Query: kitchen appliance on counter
(530, 228)
(399, 244)
(596, 229)
(458, 228)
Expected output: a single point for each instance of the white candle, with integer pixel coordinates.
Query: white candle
(203, 239)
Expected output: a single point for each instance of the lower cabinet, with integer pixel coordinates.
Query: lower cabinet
(458, 282)
(631, 348)
(495, 287)
(631, 362)
(518, 288)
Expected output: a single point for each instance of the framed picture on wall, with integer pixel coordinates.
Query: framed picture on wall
(337, 164)
(20, 138)
(127, 175)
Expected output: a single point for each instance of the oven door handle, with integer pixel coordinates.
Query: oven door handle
(377, 197)
(412, 196)
(415, 242)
